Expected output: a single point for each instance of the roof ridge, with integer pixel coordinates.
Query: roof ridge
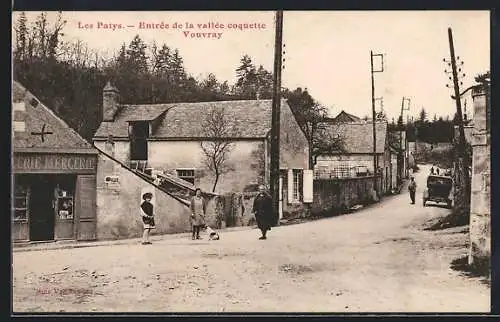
(226, 101)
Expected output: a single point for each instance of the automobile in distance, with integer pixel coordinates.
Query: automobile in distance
(439, 189)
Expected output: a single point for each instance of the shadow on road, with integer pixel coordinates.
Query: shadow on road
(477, 269)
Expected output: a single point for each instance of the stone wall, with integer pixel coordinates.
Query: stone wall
(333, 196)
(480, 208)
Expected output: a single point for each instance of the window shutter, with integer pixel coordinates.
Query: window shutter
(307, 186)
(290, 185)
(85, 207)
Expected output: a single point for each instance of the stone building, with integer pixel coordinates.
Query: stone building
(168, 140)
(480, 208)
(357, 157)
(54, 175)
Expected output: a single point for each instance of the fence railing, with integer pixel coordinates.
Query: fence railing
(340, 173)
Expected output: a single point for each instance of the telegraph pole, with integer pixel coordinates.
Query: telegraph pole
(374, 115)
(461, 139)
(401, 153)
(456, 89)
(275, 121)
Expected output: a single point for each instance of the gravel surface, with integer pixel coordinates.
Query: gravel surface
(378, 259)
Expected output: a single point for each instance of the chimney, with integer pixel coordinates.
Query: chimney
(110, 102)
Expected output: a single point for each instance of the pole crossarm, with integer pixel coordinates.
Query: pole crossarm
(382, 61)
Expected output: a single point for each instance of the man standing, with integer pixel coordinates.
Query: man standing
(263, 210)
(411, 188)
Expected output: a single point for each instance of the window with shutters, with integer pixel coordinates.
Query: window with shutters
(186, 174)
(297, 185)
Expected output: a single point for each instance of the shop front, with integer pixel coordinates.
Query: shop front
(54, 195)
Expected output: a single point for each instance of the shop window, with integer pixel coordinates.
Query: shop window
(21, 200)
(186, 174)
(65, 202)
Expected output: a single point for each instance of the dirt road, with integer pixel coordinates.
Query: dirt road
(376, 260)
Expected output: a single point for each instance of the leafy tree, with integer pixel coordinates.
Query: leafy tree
(136, 58)
(177, 68)
(311, 117)
(423, 115)
(264, 83)
(484, 78)
(21, 30)
(246, 83)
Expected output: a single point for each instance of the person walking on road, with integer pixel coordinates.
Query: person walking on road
(263, 210)
(148, 220)
(198, 208)
(412, 187)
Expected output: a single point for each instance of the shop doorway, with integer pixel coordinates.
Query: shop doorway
(41, 223)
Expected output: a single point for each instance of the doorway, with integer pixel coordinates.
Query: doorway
(42, 219)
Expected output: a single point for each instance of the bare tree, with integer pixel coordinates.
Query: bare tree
(217, 147)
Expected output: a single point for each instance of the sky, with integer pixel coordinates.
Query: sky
(327, 52)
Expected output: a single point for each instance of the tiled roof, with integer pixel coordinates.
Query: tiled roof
(35, 118)
(358, 137)
(249, 119)
(142, 112)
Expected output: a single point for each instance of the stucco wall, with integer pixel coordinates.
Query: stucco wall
(394, 167)
(246, 161)
(121, 150)
(294, 150)
(480, 230)
(118, 205)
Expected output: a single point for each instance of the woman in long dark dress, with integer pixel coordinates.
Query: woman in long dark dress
(263, 210)
(148, 220)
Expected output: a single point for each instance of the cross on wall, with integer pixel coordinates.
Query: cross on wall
(42, 133)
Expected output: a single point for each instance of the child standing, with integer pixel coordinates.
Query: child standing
(148, 220)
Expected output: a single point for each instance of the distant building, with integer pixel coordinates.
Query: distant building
(344, 117)
(357, 157)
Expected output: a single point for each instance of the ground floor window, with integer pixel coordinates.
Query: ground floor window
(297, 185)
(186, 174)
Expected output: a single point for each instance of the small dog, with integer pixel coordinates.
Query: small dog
(212, 234)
